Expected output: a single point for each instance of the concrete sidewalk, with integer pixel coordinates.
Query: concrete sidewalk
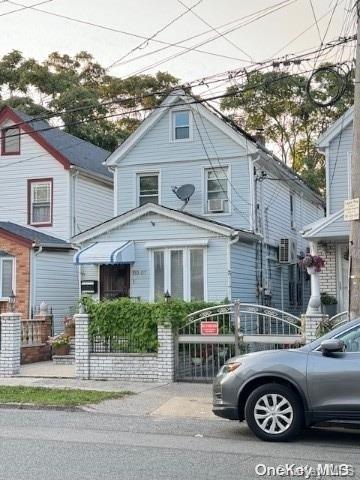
(159, 400)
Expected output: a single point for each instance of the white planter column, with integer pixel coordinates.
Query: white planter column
(314, 306)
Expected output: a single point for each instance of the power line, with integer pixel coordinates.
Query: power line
(145, 42)
(215, 29)
(110, 29)
(23, 7)
(316, 20)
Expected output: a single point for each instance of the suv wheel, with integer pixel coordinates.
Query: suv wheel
(274, 413)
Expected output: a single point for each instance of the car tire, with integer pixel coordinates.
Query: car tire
(274, 413)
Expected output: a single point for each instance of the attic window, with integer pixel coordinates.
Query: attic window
(10, 141)
(181, 125)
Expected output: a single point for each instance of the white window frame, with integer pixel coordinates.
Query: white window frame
(32, 185)
(172, 138)
(205, 169)
(186, 271)
(13, 282)
(146, 173)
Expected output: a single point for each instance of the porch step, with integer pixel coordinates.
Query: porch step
(64, 359)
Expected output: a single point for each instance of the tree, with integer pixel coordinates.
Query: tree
(79, 90)
(277, 103)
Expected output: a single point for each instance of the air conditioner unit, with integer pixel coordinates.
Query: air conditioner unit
(287, 251)
(216, 205)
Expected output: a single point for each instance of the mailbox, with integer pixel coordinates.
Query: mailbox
(89, 286)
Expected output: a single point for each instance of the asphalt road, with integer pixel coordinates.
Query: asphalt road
(81, 445)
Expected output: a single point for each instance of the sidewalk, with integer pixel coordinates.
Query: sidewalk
(189, 400)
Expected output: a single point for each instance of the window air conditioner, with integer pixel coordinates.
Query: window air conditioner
(216, 205)
(287, 251)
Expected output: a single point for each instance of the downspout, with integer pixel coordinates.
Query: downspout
(232, 241)
(34, 268)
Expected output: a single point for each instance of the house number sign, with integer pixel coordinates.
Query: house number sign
(209, 328)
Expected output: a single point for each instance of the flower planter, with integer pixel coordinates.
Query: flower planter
(311, 270)
(61, 349)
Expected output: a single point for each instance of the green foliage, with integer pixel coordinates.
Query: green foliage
(63, 83)
(137, 320)
(277, 103)
(327, 299)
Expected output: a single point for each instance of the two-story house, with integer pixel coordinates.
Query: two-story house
(200, 211)
(330, 236)
(53, 185)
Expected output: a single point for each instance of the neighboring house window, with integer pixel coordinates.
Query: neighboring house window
(292, 211)
(40, 202)
(181, 272)
(7, 275)
(181, 128)
(10, 141)
(148, 188)
(216, 185)
(296, 278)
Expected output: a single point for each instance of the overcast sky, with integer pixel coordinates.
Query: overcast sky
(37, 34)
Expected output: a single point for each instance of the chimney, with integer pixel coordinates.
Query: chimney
(260, 137)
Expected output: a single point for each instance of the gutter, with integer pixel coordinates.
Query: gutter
(93, 175)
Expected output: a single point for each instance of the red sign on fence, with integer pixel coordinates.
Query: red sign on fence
(209, 328)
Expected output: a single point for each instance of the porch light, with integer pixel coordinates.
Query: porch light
(167, 296)
(11, 301)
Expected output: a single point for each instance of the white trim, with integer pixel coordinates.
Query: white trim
(186, 271)
(34, 183)
(226, 168)
(13, 279)
(145, 173)
(172, 113)
(116, 192)
(340, 124)
(327, 179)
(349, 174)
(339, 275)
(177, 243)
(251, 194)
(160, 210)
(313, 229)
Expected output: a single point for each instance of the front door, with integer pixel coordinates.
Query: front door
(343, 276)
(114, 281)
(333, 380)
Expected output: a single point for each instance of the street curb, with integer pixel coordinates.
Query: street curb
(32, 406)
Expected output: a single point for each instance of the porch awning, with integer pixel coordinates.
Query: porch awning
(107, 253)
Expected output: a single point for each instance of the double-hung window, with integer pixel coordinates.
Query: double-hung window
(10, 141)
(40, 202)
(148, 188)
(217, 191)
(181, 125)
(179, 271)
(7, 275)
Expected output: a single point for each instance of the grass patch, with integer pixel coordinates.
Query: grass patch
(60, 397)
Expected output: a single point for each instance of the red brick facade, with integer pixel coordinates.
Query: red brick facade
(21, 250)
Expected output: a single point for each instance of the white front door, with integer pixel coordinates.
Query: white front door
(343, 276)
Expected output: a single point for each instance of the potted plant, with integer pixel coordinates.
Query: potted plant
(312, 263)
(69, 323)
(60, 344)
(329, 303)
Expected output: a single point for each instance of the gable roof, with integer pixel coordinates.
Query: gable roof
(66, 148)
(340, 124)
(226, 125)
(184, 217)
(33, 236)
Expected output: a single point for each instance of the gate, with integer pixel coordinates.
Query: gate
(213, 335)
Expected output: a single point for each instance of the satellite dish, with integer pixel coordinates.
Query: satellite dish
(184, 192)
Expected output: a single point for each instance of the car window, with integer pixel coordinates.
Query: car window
(351, 339)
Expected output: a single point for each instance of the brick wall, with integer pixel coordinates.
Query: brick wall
(10, 344)
(21, 252)
(147, 367)
(328, 280)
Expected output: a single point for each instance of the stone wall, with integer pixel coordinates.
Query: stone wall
(328, 280)
(146, 367)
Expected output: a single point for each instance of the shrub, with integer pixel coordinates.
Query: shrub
(137, 320)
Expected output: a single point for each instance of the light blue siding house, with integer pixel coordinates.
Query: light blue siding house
(221, 242)
(330, 236)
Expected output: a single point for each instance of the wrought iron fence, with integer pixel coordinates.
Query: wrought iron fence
(120, 344)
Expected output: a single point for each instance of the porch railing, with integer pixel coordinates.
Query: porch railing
(34, 332)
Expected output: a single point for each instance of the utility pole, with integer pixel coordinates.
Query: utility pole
(354, 247)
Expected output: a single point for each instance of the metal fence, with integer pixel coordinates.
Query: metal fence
(120, 344)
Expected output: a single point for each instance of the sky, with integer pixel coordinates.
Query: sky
(36, 33)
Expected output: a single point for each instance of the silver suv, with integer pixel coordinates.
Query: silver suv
(279, 392)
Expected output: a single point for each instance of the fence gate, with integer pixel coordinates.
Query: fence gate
(213, 335)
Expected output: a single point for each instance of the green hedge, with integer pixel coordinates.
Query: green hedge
(137, 320)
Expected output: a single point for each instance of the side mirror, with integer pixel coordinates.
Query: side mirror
(332, 346)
